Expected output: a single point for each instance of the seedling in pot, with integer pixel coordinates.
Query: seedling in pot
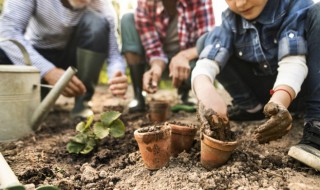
(90, 132)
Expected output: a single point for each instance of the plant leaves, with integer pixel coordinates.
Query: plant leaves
(108, 117)
(81, 127)
(91, 143)
(117, 128)
(74, 147)
(100, 131)
(80, 138)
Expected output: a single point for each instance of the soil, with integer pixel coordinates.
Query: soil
(116, 164)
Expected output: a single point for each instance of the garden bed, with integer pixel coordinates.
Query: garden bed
(42, 158)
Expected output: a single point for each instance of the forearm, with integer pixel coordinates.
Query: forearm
(190, 53)
(291, 73)
(13, 23)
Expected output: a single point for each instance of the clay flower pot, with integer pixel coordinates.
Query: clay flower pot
(158, 111)
(215, 153)
(182, 137)
(154, 145)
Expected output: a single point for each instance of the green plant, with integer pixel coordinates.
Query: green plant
(90, 132)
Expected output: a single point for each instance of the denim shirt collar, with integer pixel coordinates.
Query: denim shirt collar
(269, 14)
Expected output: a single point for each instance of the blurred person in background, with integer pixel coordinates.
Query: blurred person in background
(162, 34)
(62, 33)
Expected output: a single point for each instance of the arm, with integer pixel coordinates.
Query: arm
(13, 22)
(202, 79)
(291, 73)
(149, 36)
(115, 60)
(179, 66)
(118, 82)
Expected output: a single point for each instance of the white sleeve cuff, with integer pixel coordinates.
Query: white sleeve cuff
(291, 72)
(205, 67)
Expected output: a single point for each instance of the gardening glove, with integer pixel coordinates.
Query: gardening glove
(278, 125)
(211, 123)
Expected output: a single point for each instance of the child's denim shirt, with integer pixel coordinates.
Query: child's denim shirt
(276, 33)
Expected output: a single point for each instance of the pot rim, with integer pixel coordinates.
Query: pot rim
(182, 129)
(163, 133)
(218, 144)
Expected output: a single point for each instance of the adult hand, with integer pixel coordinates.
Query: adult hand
(179, 69)
(118, 84)
(278, 125)
(153, 76)
(74, 87)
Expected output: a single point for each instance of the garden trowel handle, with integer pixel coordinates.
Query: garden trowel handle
(7, 177)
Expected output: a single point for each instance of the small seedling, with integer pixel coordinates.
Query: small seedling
(90, 132)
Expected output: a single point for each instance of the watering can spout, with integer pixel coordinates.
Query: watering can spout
(44, 108)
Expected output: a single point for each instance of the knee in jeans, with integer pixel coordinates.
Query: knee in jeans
(94, 24)
(127, 20)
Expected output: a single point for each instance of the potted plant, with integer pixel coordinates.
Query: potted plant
(90, 132)
(182, 136)
(158, 110)
(154, 145)
(217, 140)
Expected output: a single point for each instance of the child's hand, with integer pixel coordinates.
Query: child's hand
(278, 125)
(212, 124)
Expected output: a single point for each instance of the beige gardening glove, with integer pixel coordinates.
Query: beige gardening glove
(278, 125)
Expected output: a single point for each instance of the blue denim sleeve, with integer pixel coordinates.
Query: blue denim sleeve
(218, 44)
(291, 38)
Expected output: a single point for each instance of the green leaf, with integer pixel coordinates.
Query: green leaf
(81, 127)
(100, 131)
(80, 138)
(74, 147)
(117, 128)
(89, 146)
(108, 117)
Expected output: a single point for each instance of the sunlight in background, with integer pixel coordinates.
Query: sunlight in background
(219, 7)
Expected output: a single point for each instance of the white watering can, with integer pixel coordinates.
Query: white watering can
(20, 109)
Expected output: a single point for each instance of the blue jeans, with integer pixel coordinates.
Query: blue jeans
(248, 89)
(92, 29)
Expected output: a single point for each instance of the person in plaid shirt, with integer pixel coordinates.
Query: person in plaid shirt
(163, 33)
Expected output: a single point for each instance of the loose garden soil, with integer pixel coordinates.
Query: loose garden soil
(116, 164)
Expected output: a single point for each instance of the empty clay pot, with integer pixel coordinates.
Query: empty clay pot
(154, 146)
(182, 137)
(158, 111)
(215, 153)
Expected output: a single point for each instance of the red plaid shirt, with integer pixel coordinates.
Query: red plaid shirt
(195, 17)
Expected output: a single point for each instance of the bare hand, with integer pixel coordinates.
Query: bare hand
(151, 79)
(179, 69)
(118, 84)
(278, 125)
(74, 88)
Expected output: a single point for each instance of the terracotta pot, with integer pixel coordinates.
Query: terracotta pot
(154, 146)
(158, 111)
(215, 153)
(182, 137)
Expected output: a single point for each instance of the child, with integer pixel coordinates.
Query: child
(263, 48)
